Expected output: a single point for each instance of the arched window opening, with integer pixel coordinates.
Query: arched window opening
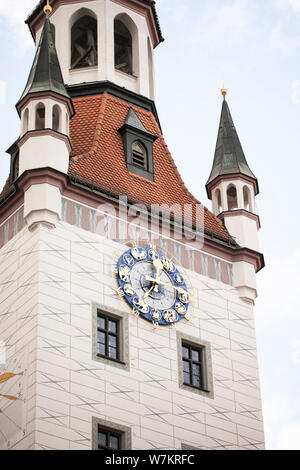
(232, 198)
(246, 194)
(139, 155)
(123, 48)
(16, 167)
(25, 121)
(40, 116)
(56, 118)
(84, 39)
(218, 201)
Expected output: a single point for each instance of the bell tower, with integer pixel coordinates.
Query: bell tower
(104, 40)
(126, 305)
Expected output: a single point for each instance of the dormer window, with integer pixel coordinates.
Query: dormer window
(139, 155)
(138, 146)
(14, 162)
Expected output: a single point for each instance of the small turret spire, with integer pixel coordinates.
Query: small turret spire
(45, 74)
(229, 155)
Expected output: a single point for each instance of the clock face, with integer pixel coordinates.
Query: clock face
(153, 286)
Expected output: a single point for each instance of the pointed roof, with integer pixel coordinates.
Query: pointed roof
(229, 155)
(45, 74)
(133, 121)
(98, 159)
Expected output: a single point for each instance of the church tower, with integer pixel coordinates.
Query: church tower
(126, 306)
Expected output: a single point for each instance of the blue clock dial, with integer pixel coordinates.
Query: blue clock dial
(153, 286)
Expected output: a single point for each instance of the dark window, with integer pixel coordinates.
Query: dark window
(56, 118)
(40, 116)
(109, 440)
(123, 48)
(84, 39)
(139, 155)
(16, 167)
(193, 366)
(108, 337)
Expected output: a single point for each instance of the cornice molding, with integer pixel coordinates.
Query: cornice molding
(145, 7)
(73, 191)
(210, 186)
(240, 212)
(101, 87)
(44, 95)
(45, 132)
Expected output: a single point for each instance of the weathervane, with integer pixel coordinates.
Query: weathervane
(48, 8)
(224, 91)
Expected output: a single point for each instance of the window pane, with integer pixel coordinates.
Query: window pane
(101, 323)
(186, 366)
(114, 442)
(196, 381)
(138, 148)
(112, 326)
(186, 378)
(196, 369)
(112, 341)
(185, 352)
(196, 355)
(101, 337)
(101, 349)
(113, 353)
(102, 439)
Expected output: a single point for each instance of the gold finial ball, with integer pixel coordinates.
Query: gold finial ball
(48, 10)
(224, 91)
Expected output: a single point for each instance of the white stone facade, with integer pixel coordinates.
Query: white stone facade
(50, 280)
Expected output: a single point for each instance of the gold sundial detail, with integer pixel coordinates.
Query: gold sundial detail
(8, 375)
(4, 378)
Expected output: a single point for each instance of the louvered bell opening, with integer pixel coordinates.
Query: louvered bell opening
(139, 155)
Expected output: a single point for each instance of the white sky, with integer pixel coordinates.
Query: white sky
(256, 45)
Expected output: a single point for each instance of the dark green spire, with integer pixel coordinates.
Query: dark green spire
(229, 155)
(45, 74)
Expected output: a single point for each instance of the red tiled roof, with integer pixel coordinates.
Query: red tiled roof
(98, 156)
(5, 188)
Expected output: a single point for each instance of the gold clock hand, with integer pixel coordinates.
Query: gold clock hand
(149, 292)
(158, 267)
(180, 289)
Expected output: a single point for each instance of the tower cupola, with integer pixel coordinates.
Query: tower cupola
(45, 109)
(45, 102)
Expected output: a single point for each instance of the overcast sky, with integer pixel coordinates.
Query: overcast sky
(255, 44)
